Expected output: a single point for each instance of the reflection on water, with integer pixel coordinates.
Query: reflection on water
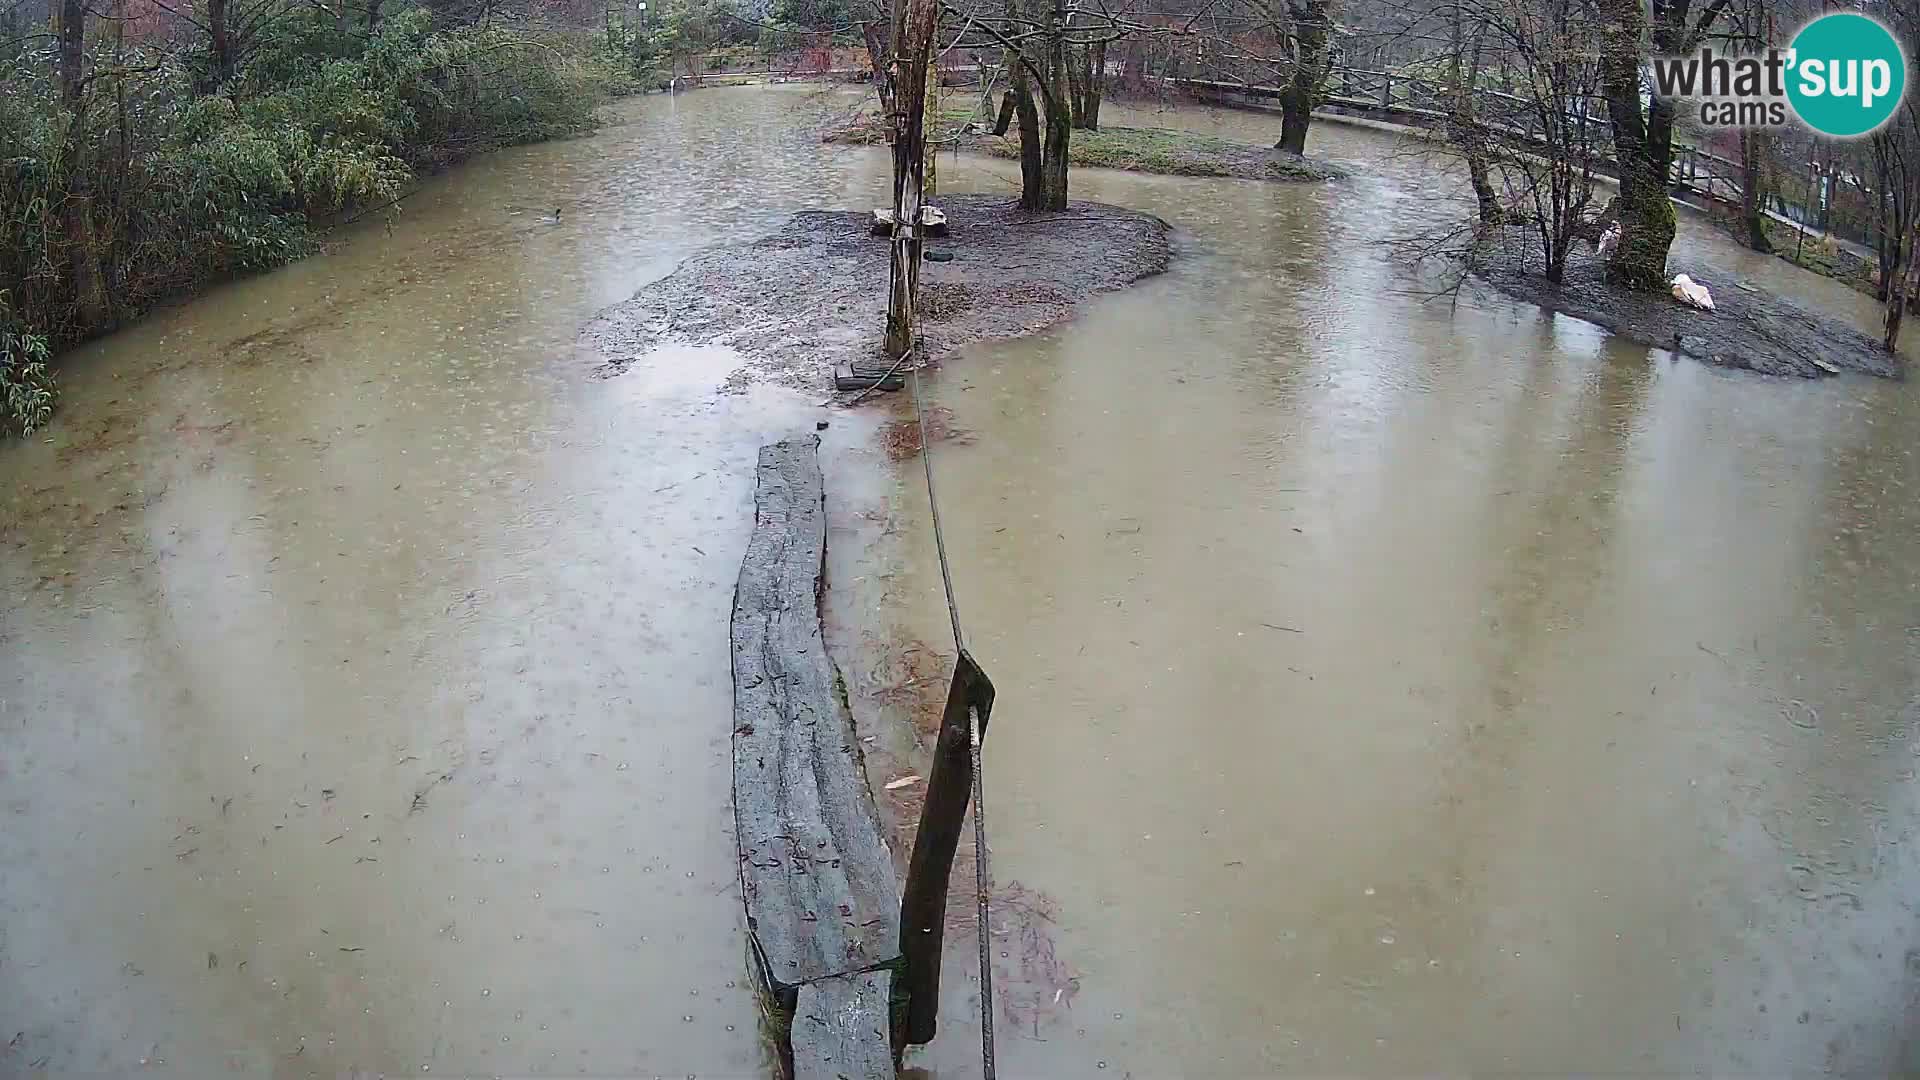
(1384, 685)
(365, 695)
(1388, 687)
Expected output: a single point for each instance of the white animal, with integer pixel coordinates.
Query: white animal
(1688, 291)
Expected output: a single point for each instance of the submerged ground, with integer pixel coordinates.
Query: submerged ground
(1384, 686)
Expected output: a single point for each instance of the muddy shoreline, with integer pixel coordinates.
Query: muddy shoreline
(812, 294)
(1751, 329)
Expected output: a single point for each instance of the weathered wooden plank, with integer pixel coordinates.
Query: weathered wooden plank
(866, 376)
(820, 890)
(839, 1029)
(949, 789)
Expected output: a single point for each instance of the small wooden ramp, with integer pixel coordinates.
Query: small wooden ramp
(821, 897)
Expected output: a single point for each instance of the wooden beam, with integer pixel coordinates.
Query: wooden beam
(818, 882)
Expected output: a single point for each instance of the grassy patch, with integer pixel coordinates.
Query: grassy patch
(1151, 150)
(1823, 258)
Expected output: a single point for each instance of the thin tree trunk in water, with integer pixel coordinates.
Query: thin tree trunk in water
(913, 40)
(1642, 150)
(1309, 67)
(1752, 194)
(1897, 301)
(83, 258)
(1053, 157)
(1096, 85)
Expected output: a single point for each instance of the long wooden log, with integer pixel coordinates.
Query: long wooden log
(818, 882)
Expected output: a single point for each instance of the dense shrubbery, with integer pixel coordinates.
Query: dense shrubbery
(182, 187)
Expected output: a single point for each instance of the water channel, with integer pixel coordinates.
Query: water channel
(1386, 685)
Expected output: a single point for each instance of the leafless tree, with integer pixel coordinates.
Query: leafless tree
(1532, 153)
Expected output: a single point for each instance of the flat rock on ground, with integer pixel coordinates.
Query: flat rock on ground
(813, 293)
(1751, 328)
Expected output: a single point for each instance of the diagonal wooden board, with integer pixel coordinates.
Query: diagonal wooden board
(821, 896)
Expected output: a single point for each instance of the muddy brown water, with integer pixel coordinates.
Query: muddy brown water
(1387, 687)
(365, 689)
(1384, 686)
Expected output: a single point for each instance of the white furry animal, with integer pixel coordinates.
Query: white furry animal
(1688, 291)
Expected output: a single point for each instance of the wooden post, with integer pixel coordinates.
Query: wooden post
(923, 905)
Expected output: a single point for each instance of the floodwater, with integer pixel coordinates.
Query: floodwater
(365, 691)
(1384, 685)
(1390, 687)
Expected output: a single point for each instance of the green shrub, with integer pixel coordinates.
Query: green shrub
(26, 386)
(318, 120)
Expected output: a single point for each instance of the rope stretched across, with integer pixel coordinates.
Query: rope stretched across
(982, 873)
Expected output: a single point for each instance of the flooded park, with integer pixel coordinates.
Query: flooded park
(1385, 684)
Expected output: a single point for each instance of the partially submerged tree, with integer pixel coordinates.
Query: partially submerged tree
(1310, 37)
(1055, 55)
(1643, 134)
(1532, 154)
(913, 39)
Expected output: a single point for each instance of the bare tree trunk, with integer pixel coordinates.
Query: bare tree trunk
(1752, 192)
(1311, 20)
(1465, 130)
(1898, 299)
(1096, 86)
(879, 55)
(930, 113)
(219, 43)
(1076, 81)
(913, 34)
(83, 257)
(116, 240)
(1032, 173)
(1053, 157)
(1133, 67)
(1643, 150)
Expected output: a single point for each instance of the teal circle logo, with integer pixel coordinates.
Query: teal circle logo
(1846, 74)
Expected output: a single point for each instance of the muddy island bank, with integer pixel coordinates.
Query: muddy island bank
(813, 293)
(1751, 327)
